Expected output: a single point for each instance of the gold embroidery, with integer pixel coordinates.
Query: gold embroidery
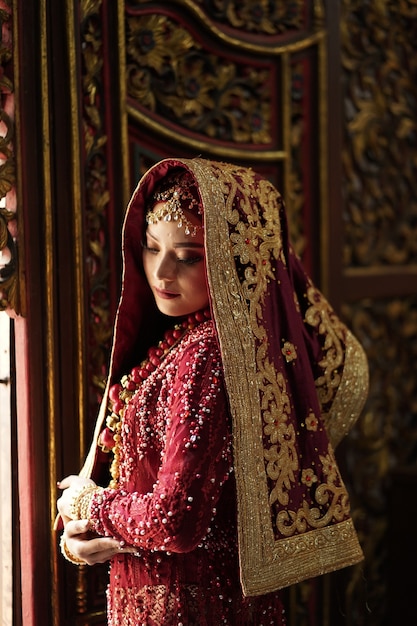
(342, 395)
(289, 351)
(308, 477)
(266, 462)
(282, 465)
(331, 496)
(154, 602)
(321, 316)
(351, 394)
(255, 243)
(312, 422)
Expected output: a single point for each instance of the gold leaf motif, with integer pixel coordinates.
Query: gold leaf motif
(265, 17)
(308, 477)
(97, 196)
(170, 74)
(311, 422)
(289, 351)
(321, 316)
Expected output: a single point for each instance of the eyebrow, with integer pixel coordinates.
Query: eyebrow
(180, 244)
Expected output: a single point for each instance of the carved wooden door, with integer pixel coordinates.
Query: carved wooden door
(104, 88)
(234, 81)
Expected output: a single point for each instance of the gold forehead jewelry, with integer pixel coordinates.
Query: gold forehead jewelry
(177, 192)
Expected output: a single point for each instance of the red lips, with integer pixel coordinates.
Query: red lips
(165, 294)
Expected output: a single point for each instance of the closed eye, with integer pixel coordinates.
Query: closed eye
(190, 260)
(148, 248)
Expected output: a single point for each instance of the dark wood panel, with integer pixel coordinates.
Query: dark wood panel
(382, 282)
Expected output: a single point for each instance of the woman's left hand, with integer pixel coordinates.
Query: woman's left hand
(89, 548)
(72, 486)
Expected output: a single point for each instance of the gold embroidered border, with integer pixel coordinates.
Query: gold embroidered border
(344, 382)
(305, 556)
(351, 393)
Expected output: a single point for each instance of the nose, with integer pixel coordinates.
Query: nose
(165, 268)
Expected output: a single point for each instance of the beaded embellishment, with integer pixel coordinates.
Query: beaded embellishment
(121, 393)
(176, 194)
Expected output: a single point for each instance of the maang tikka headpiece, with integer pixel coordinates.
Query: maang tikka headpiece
(177, 193)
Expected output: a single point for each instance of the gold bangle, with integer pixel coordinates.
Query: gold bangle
(68, 554)
(81, 501)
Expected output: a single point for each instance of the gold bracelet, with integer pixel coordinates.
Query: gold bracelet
(81, 501)
(68, 554)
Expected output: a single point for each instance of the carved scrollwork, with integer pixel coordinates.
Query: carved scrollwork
(170, 74)
(380, 167)
(97, 195)
(297, 199)
(265, 17)
(380, 155)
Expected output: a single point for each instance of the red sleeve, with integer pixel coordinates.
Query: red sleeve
(196, 462)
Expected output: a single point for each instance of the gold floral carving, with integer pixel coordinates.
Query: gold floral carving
(380, 163)
(169, 73)
(178, 80)
(90, 585)
(97, 193)
(380, 146)
(269, 18)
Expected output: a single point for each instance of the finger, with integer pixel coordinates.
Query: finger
(76, 534)
(76, 527)
(64, 505)
(95, 550)
(60, 504)
(66, 482)
(101, 556)
(108, 554)
(128, 550)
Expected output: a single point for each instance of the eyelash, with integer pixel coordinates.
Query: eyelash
(187, 261)
(190, 260)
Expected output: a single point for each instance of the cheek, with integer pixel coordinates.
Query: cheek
(200, 283)
(146, 265)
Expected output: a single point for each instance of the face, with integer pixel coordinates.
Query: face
(174, 265)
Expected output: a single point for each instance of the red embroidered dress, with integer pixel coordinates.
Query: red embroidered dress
(176, 500)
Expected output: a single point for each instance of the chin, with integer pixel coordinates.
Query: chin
(175, 309)
(172, 309)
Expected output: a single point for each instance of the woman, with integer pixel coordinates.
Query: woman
(224, 487)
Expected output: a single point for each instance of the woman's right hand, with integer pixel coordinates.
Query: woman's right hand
(90, 548)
